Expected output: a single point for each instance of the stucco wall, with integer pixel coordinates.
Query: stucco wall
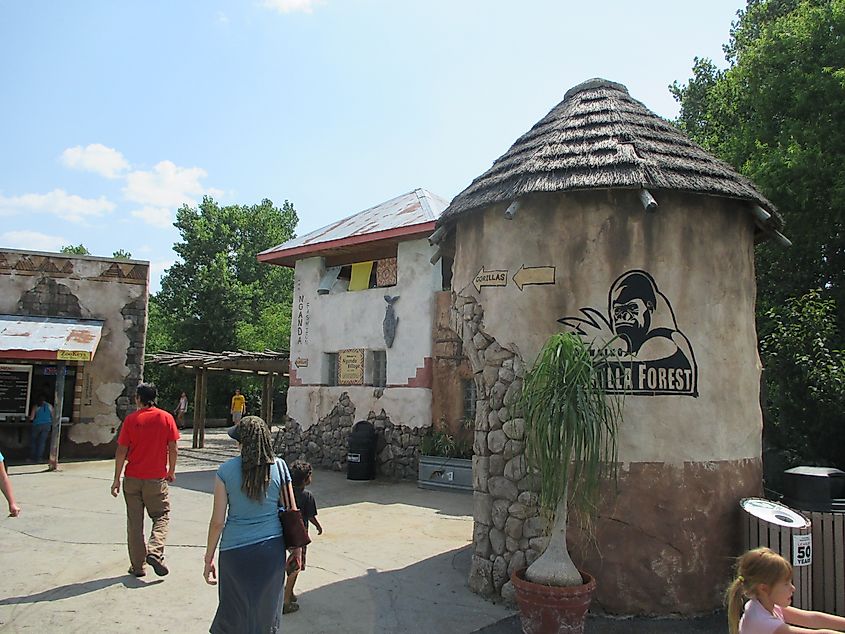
(97, 288)
(699, 251)
(343, 320)
(664, 542)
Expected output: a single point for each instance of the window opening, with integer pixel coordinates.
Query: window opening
(331, 371)
(470, 398)
(379, 368)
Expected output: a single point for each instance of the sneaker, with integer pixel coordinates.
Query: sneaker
(158, 565)
(137, 573)
(287, 608)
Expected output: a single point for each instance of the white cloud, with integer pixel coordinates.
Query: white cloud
(166, 185)
(222, 18)
(96, 158)
(158, 267)
(57, 202)
(32, 241)
(290, 6)
(156, 216)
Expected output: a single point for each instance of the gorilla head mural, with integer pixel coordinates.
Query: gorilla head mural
(657, 358)
(633, 299)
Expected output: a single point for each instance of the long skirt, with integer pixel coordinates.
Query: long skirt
(251, 581)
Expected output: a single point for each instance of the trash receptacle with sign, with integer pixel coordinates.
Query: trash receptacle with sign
(819, 493)
(788, 533)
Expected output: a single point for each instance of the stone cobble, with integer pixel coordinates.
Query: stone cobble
(507, 522)
(324, 444)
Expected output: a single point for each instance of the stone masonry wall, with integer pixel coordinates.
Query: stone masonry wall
(508, 531)
(325, 443)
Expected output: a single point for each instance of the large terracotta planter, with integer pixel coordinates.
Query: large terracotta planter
(552, 609)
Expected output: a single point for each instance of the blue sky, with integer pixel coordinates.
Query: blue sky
(115, 113)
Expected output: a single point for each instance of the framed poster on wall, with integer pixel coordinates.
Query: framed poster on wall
(14, 389)
(350, 367)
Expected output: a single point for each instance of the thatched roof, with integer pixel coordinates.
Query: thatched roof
(599, 137)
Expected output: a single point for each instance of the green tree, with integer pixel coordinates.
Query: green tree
(810, 387)
(218, 285)
(775, 113)
(217, 296)
(79, 249)
(120, 254)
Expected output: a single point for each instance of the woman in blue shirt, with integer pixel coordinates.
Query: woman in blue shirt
(41, 416)
(252, 550)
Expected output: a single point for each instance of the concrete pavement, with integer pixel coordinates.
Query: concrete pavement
(393, 558)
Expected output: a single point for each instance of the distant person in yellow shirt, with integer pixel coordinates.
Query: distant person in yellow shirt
(238, 406)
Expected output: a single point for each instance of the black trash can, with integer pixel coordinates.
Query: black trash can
(361, 454)
(819, 492)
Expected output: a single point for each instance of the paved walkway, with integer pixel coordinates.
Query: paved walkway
(393, 558)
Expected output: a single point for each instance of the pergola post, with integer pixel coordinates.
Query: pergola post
(264, 399)
(270, 381)
(59, 403)
(199, 409)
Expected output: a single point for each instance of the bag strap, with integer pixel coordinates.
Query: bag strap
(282, 486)
(284, 500)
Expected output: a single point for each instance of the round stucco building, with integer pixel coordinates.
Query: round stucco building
(606, 220)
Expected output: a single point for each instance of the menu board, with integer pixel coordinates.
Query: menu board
(14, 389)
(350, 367)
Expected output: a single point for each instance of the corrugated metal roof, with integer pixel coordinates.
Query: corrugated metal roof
(414, 208)
(49, 338)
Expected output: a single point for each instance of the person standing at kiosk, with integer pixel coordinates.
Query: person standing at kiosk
(41, 417)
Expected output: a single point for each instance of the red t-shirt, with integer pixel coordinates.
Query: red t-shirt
(147, 432)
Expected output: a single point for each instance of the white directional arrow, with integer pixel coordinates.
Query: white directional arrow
(490, 278)
(534, 275)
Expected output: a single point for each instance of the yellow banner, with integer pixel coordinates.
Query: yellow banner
(361, 276)
(73, 355)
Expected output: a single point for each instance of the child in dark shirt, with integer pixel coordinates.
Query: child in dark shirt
(300, 473)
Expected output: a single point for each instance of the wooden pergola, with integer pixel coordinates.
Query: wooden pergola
(268, 364)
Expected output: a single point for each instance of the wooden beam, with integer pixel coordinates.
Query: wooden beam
(203, 390)
(58, 406)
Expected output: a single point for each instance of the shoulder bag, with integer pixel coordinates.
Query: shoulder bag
(293, 529)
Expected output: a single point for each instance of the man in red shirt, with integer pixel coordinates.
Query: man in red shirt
(147, 443)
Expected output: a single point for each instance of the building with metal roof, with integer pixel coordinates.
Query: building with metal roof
(366, 294)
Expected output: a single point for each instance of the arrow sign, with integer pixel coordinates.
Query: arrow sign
(534, 275)
(301, 363)
(490, 278)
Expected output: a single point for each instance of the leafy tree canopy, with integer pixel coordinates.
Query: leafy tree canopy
(79, 249)
(775, 113)
(120, 254)
(217, 296)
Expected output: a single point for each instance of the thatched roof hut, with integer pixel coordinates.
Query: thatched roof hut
(554, 236)
(599, 137)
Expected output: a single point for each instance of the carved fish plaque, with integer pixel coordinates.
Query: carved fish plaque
(390, 321)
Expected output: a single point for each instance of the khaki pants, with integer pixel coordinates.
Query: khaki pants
(152, 496)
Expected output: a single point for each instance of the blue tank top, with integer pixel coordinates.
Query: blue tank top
(249, 521)
(42, 415)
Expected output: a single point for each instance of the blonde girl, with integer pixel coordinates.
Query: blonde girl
(765, 579)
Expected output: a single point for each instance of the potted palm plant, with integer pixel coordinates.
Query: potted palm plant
(570, 426)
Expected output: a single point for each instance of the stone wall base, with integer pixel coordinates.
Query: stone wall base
(324, 444)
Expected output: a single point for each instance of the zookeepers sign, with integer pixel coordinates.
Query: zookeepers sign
(653, 357)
